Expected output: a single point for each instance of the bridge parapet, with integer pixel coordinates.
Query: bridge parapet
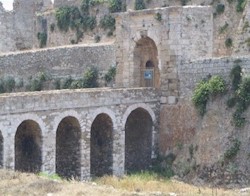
(71, 99)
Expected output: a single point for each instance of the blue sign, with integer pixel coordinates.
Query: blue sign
(148, 74)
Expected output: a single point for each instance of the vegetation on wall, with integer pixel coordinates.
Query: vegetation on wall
(140, 5)
(240, 98)
(117, 6)
(71, 17)
(239, 95)
(240, 5)
(7, 84)
(89, 80)
(233, 150)
(110, 75)
(52, 27)
(184, 2)
(108, 23)
(42, 81)
(158, 16)
(206, 89)
(220, 8)
(229, 42)
(42, 37)
(37, 83)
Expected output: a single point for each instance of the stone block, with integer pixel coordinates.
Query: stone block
(172, 100)
(163, 100)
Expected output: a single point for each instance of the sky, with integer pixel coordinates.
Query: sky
(7, 4)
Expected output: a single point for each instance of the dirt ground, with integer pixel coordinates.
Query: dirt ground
(23, 184)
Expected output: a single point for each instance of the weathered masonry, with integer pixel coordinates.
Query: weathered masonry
(79, 133)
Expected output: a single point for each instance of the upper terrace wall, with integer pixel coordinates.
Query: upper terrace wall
(57, 62)
(192, 72)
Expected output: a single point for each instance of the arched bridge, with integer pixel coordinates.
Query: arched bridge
(79, 133)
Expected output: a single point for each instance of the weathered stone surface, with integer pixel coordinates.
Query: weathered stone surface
(65, 119)
(60, 62)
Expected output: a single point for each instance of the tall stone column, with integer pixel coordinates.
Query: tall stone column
(85, 154)
(119, 152)
(49, 152)
(9, 149)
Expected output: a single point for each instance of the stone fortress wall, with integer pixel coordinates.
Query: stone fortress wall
(58, 63)
(193, 71)
(180, 48)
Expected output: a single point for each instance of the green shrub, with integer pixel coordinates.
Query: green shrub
(76, 84)
(246, 26)
(108, 22)
(247, 41)
(140, 5)
(79, 35)
(52, 27)
(220, 8)
(233, 150)
(229, 42)
(238, 120)
(116, 6)
(214, 86)
(57, 84)
(201, 96)
(90, 77)
(85, 7)
(243, 93)
(71, 17)
(63, 18)
(236, 76)
(97, 38)
(184, 2)
(42, 37)
(110, 75)
(9, 84)
(240, 5)
(66, 83)
(231, 102)
(2, 87)
(158, 17)
(36, 85)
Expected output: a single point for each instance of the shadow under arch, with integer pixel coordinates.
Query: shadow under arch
(68, 148)
(138, 140)
(28, 147)
(146, 70)
(101, 149)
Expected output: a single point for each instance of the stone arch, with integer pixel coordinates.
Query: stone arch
(28, 147)
(138, 140)
(1, 150)
(135, 106)
(68, 145)
(145, 54)
(101, 148)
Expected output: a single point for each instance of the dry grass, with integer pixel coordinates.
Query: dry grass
(152, 184)
(22, 184)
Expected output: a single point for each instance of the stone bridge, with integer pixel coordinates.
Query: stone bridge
(79, 133)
